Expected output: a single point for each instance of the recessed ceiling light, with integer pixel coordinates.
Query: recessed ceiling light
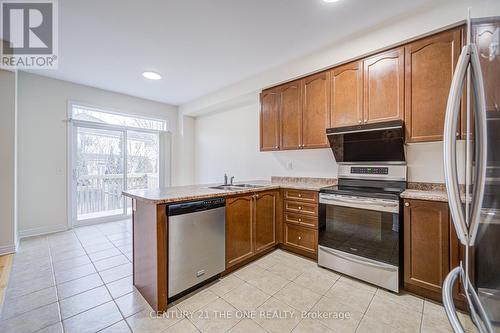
(329, 1)
(151, 75)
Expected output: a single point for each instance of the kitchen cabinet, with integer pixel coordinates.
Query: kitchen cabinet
(269, 120)
(426, 246)
(304, 239)
(383, 93)
(250, 225)
(239, 229)
(266, 205)
(346, 95)
(429, 67)
(483, 34)
(291, 115)
(315, 117)
(300, 217)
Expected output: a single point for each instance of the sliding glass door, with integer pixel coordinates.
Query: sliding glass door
(98, 173)
(107, 158)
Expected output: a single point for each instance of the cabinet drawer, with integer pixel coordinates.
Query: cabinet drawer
(301, 208)
(305, 220)
(302, 238)
(298, 195)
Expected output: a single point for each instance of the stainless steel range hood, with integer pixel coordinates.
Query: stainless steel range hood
(378, 142)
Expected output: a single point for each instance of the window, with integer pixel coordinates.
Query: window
(110, 118)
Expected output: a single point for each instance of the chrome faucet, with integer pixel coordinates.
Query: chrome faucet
(231, 181)
(225, 179)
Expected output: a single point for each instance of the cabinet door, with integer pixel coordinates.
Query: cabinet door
(426, 244)
(291, 115)
(269, 120)
(265, 220)
(384, 87)
(304, 239)
(429, 67)
(483, 35)
(239, 229)
(346, 95)
(315, 113)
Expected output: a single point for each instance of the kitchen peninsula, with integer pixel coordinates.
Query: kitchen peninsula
(259, 216)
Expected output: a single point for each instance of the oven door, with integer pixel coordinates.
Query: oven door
(360, 226)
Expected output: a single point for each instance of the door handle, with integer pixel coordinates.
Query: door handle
(448, 304)
(449, 145)
(480, 144)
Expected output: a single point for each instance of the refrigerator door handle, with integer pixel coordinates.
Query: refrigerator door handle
(477, 312)
(448, 304)
(480, 143)
(449, 145)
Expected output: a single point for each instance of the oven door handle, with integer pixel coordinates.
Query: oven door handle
(366, 262)
(361, 201)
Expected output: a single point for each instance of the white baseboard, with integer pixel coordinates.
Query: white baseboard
(7, 249)
(42, 230)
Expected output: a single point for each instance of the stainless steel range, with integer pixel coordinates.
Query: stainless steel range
(361, 222)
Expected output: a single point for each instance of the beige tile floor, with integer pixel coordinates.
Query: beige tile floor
(80, 281)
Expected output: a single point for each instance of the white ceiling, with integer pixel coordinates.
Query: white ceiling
(200, 46)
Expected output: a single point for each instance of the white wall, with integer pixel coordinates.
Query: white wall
(226, 130)
(42, 164)
(183, 145)
(8, 150)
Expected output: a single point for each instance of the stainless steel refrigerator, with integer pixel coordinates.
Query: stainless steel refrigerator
(474, 195)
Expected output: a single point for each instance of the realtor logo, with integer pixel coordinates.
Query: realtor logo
(29, 34)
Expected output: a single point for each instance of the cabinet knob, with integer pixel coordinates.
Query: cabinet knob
(300, 220)
(300, 195)
(300, 237)
(407, 204)
(359, 121)
(256, 195)
(276, 147)
(300, 207)
(366, 120)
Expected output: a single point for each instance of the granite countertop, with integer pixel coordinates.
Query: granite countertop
(426, 191)
(203, 191)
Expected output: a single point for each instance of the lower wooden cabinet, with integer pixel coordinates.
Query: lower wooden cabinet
(301, 238)
(250, 225)
(265, 220)
(431, 249)
(239, 229)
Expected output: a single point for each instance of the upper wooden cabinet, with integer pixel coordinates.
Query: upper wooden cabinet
(269, 120)
(346, 95)
(291, 115)
(426, 246)
(384, 86)
(483, 34)
(315, 117)
(429, 68)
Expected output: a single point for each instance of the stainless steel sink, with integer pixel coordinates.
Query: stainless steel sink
(235, 187)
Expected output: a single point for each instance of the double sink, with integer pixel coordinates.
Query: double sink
(235, 187)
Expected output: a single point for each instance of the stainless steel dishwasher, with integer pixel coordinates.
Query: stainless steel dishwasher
(196, 244)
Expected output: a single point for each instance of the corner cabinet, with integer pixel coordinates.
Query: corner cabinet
(429, 68)
(269, 120)
(384, 86)
(250, 225)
